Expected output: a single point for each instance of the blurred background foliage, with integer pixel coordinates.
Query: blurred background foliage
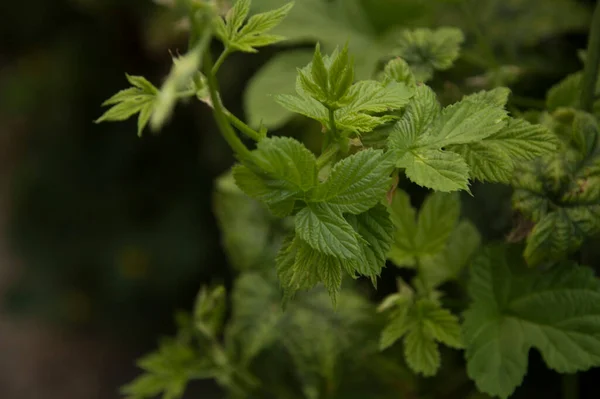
(110, 234)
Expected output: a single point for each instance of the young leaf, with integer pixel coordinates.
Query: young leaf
(560, 192)
(440, 170)
(494, 158)
(168, 370)
(376, 230)
(422, 324)
(327, 231)
(398, 70)
(357, 183)
(140, 98)
(447, 264)
(436, 221)
(326, 84)
(255, 33)
(312, 336)
(426, 50)
(280, 170)
(514, 310)
(437, 218)
(472, 138)
(404, 218)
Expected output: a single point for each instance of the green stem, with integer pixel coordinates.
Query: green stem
(422, 278)
(332, 127)
(220, 60)
(482, 40)
(570, 386)
(219, 112)
(327, 156)
(592, 63)
(242, 127)
(186, 93)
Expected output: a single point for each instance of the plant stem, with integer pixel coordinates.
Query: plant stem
(327, 155)
(227, 131)
(242, 127)
(482, 40)
(332, 127)
(590, 73)
(570, 386)
(220, 60)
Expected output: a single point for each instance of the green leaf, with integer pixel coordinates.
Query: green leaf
(357, 183)
(236, 16)
(420, 113)
(376, 230)
(422, 324)
(464, 122)
(559, 192)
(245, 224)
(552, 238)
(494, 158)
(437, 169)
(310, 337)
(318, 91)
(168, 370)
(427, 236)
(397, 70)
(279, 171)
(328, 267)
(437, 218)
(255, 33)
(140, 98)
(327, 231)
(370, 96)
(404, 218)
(428, 50)
(324, 22)
(421, 353)
(448, 264)
(514, 310)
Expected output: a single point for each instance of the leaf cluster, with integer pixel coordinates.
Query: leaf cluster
(442, 148)
(560, 192)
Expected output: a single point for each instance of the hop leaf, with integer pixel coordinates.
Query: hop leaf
(421, 324)
(427, 235)
(560, 193)
(311, 333)
(255, 33)
(341, 227)
(443, 148)
(326, 84)
(279, 172)
(428, 50)
(139, 99)
(514, 310)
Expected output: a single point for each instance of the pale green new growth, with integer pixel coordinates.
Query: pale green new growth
(514, 310)
(137, 99)
(325, 92)
(237, 36)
